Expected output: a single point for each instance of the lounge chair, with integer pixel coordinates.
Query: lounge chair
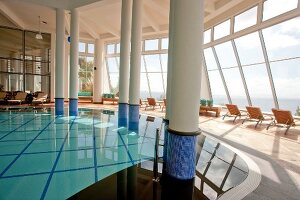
(3, 96)
(282, 118)
(233, 111)
(19, 98)
(40, 99)
(254, 113)
(152, 103)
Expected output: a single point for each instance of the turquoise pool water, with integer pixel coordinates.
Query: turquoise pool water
(48, 157)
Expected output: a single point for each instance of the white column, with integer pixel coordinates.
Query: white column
(59, 53)
(125, 51)
(136, 47)
(169, 75)
(59, 61)
(73, 97)
(98, 71)
(52, 67)
(66, 71)
(186, 65)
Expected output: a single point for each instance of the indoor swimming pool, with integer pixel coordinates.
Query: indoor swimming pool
(43, 156)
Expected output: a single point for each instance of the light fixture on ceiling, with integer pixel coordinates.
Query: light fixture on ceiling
(39, 36)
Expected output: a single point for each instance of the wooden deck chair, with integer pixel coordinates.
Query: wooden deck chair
(151, 103)
(19, 98)
(282, 118)
(254, 113)
(233, 111)
(40, 99)
(3, 96)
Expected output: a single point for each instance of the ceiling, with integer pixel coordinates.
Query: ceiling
(102, 18)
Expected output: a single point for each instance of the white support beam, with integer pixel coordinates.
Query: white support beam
(109, 28)
(67, 22)
(88, 27)
(148, 17)
(11, 16)
(209, 6)
(157, 7)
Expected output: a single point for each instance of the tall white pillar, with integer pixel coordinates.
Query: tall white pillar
(59, 61)
(124, 62)
(135, 63)
(52, 67)
(98, 71)
(66, 71)
(186, 60)
(73, 97)
(186, 65)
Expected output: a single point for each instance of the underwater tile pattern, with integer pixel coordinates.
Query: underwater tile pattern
(43, 156)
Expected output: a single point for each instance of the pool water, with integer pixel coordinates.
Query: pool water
(43, 156)
(48, 157)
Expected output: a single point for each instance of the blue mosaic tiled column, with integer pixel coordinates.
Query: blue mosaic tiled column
(73, 107)
(123, 114)
(181, 155)
(59, 106)
(134, 115)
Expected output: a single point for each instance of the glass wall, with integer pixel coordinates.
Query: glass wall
(153, 67)
(261, 62)
(86, 67)
(31, 72)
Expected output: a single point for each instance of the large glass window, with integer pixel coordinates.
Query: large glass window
(217, 87)
(273, 8)
(210, 59)
(86, 67)
(151, 45)
(245, 19)
(226, 55)
(283, 49)
(207, 36)
(253, 65)
(222, 30)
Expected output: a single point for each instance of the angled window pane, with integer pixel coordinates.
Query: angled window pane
(283, 40)
(273, 8)
(151, 45)
(114, 81)
(235, 86)
(91, 48)
(165, 80)
(152, 63)
(217, 87)
(164, 43)
(144, 89)
(156, 85)
(249, 49)
(81, 47)
(245, 19)
(226, 55)
(112, 65)
(110, 48)
(210, 59)
(207, 36)
(118, 48)
(259, 86)
(222, 30)
(164, 62)
(142, 64)
(286, 76)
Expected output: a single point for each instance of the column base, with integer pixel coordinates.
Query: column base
(123, 114)
(181, 155)
(59, 106)
(73, 107)
(134, 117)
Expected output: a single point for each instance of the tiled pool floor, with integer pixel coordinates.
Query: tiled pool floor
(48, 157)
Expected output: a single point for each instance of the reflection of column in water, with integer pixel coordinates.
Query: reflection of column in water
(122, 156)
(132, 171)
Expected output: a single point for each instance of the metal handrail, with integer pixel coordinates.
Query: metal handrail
(155, 162)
